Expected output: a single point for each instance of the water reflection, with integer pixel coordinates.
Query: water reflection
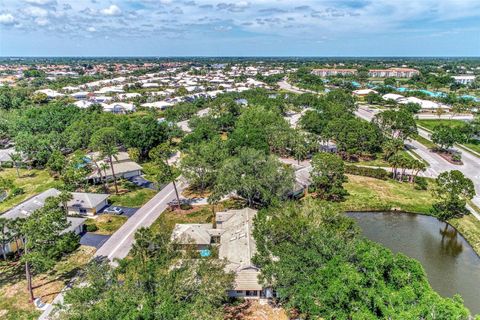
(450, 263)
(450, 244)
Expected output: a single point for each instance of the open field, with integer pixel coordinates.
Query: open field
(14, 303)
(31, 181)
(376, 195)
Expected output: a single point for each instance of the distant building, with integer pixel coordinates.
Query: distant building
(464, 79)
(393, 73)
(363, 92)
(334, 72)
(233, 236)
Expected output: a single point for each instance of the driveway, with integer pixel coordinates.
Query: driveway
(143, 183)
(127, 211)
(93, 240)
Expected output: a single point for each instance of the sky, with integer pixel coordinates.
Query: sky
(240, 28)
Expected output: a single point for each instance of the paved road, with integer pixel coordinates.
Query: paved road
(287, 86)
(121, 241)
(93, 240)
(184, 124)
(470, 167)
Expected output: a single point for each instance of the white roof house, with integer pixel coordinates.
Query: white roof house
(392, 96)
(162, 105)
(363, 92)
(50, 93)
(118, 107)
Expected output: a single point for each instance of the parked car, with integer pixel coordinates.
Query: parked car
(114, 210)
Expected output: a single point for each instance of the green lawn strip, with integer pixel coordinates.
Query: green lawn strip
(32, 182)
(429, 124)
(14, 296)
(134, 199)
(107, 224)
(427, 143)
(469, 227)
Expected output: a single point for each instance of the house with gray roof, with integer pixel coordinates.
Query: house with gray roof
(87, 203)
(233, 237)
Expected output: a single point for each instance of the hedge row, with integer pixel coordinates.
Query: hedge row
(377, 173)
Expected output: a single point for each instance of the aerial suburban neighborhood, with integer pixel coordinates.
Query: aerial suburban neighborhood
(190, 160)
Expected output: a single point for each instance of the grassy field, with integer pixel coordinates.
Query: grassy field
(134, 198)
(31, 181)
(432, 123)
(374, 194)
(107, 224)
(14, 303)
(168, 219)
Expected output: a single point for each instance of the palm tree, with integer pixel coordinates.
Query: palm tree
(16, 158)
(5, 236)
(106, 142)
(64, 197)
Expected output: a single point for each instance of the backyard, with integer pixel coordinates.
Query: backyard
(14, 303)
(31, 181)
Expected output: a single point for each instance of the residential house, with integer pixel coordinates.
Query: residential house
(87, 203)
(123, 167)
(464, 79)
(233, 237)
(27, 207)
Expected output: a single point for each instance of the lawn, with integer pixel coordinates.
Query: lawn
(379, 161)
(14, 303)
(432, 123)
(427, 143)
(376, 195)
(32, 182)
(133, 199)
(469, 227)
(168, 219)
(107, 224)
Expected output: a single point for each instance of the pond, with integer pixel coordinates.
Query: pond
(449, 261)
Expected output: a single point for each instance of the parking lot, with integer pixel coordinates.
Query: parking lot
(127, 211)
(93, 239)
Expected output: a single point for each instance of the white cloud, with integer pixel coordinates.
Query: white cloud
(35, 12)
(7, 19)
(41, 2)
(113, 10)
(42, 21)
(91, 29)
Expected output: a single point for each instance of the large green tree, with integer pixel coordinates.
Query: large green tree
(258, 178)
(328, 176)
(159, 282)
(44, 240)
(396, 124)
(452, 191)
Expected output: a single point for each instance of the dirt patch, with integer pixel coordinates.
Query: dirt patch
(449, 157)
(255, 310)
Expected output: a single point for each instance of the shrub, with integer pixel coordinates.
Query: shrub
(185, 206)
(17, 191)
(421, 183)
(92, 227)
(377, 173)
